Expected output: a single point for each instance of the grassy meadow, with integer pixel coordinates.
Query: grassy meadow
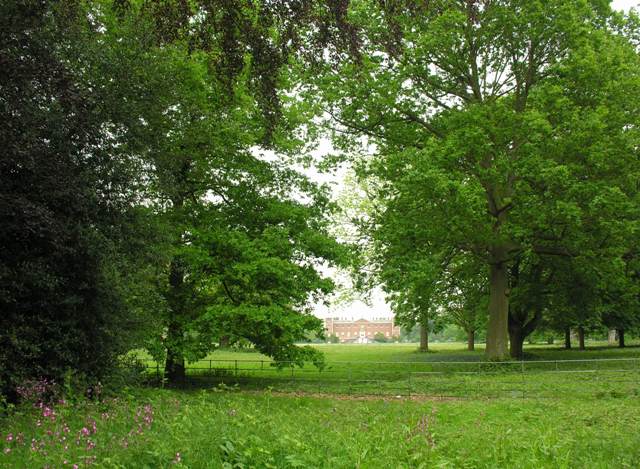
(448, 370)
(325, 426)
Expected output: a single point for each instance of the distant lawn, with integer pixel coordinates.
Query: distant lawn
(449, 370)
(447, 352)
(456, 351)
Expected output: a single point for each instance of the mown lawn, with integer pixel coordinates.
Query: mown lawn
(217, 429)
(447, 352)
(449, 370)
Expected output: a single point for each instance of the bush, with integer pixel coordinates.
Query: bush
(379, 337)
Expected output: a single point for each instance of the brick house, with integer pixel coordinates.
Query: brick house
(361, 331)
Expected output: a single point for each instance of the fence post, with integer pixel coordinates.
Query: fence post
(522, 371)
(409, 380)
(349, 376)
(236, 369)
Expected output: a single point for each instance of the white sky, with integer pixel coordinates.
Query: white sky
(376, 307)
(624, 4)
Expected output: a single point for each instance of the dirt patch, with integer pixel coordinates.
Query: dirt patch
(356, 397)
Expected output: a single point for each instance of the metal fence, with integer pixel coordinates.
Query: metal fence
(614, 377)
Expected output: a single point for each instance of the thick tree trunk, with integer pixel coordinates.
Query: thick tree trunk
(424, 339)
(581, 337)
(521, 325)
(621, 338)
(516, 343)
(567, 338)
(471, 340)
(497, 330)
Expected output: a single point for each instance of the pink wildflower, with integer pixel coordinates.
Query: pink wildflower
(10, 437)
(177, 459)
(7, 450)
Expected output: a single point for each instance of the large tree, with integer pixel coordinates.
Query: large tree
(210, 119)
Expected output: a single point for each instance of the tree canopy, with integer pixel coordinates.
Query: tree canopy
(504, 132)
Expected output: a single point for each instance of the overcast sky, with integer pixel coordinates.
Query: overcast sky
(624, 4)
(376, 307)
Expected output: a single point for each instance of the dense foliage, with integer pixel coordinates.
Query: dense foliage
(504, 137)
(73, 269)
(138, 205)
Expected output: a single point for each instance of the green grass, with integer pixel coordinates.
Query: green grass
(216, 429)
(355, 413)
(438, 352)
(398, 369)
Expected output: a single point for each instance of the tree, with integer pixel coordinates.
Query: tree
(500, 127)
(380, 337)
(72, 264)
(466, 298)
(247, 232)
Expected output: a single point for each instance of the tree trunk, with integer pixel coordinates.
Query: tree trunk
(521, 325)
(516, 343)
(621, 338)
(471, 340)
(497, 330)
(174, 366)
(224, 341)
(581, 337)
(424, 339)
(567, 338)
